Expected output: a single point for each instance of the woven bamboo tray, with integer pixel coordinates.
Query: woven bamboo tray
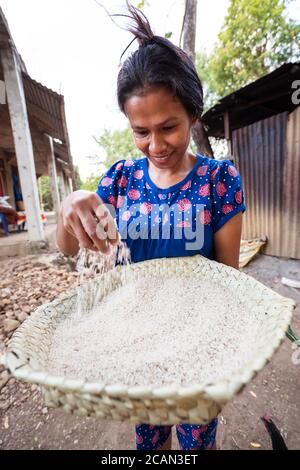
(26, 357)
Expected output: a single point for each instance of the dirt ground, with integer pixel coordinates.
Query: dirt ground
(25, 422)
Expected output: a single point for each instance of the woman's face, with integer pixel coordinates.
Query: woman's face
(161, 126)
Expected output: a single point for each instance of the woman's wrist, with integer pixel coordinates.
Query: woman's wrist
(66, 243)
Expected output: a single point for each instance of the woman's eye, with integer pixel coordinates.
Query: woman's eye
(140, 133)
(168, 128)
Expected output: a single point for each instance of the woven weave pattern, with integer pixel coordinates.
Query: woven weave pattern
(28, 350)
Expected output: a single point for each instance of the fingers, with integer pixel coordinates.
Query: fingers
(86, 218)
(89, 224)
(75, 228)
(106, 228)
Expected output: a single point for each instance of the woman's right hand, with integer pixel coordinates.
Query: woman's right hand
(84, 217)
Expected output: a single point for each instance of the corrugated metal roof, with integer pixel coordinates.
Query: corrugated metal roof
(45, 106)
(6, 39)
(5, 35)
(266, 97)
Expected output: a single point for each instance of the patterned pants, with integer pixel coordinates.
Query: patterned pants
(190, 436)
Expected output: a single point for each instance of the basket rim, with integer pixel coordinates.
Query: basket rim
(220, 392)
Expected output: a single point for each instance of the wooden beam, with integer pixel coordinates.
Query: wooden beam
(227, 132)
(71, 188)
(62, 185)
(23, 144)
(53, 175)
(66, 181)
(67, 141)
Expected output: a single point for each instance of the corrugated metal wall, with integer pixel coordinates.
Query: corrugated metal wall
(267, 155)
(291, 191)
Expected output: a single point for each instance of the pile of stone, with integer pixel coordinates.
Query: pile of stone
(25, 284)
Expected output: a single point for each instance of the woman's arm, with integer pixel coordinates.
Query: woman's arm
(227, 242)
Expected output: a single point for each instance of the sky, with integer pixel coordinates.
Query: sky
(73, 47)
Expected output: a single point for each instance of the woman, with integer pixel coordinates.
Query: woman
(169, 203)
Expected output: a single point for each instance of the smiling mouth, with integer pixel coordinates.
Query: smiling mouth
(164, 157)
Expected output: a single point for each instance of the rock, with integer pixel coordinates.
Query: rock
(26, 309)
(6, 422)
(6, 302)
(4, 378)
(10, 325)
(22, 317)
(45, 411)
(5, 293)
(10, 314)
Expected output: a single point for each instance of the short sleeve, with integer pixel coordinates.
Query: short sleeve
(227, 193)
(108, 184)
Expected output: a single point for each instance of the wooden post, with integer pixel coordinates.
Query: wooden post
(23, 143)
(70, 184)
(227, 133)
(53, 175)
(67, 187)
(62, 185)
(64, 123)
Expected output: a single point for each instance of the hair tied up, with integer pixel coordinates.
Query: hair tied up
(139, 26)
(161, 63)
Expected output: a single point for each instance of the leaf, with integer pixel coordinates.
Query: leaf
(168, 35)
(292, 336)
(256, 38)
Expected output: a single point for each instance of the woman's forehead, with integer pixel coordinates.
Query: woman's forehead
(157, 106)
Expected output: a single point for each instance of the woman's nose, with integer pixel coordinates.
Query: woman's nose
(157, 146)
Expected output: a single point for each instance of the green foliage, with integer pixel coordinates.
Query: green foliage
(118, 144)
(45, 193)
(168, 35)
(78, 181)
(142, 4)
(91, 183)
(255, 39)
(207, 78)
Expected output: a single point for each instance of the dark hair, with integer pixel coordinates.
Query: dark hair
(158, 62)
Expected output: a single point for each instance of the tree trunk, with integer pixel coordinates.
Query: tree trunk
(189, 28)
(189, 39)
